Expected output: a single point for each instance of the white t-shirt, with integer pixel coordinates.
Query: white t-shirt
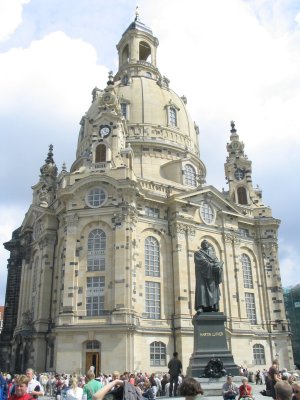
(72, 395)
(34, 385)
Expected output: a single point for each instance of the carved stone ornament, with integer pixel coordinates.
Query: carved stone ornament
(38, 228)
(27, 321)
(232, 238)
(179, 230)
(191, 232)
(72, 223)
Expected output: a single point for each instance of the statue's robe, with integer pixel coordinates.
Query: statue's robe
(208, 272)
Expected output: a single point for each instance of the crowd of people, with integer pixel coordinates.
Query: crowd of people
(280, 385)
(84, 387)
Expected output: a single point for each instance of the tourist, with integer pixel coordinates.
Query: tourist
(245, 390)
(229, 389)
(75, 393)
(21, 389)
(175, 367)
(190, 388)
(283, 390)
(34, 386)
(92, 386)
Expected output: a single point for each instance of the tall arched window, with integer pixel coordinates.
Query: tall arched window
(259, 354)
(96, 250)
(157, 354)
(242, 195)
(190, 175)
(34, 286)
(152, 257)
(100, 153)
(247, 271)
(145, 52)
(125, 54)
(172, 116)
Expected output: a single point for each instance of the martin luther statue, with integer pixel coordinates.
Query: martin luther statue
(208, 277)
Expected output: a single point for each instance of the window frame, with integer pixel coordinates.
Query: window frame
(102, 197)
(207, 212)
(152, 300)
(190, 176)
(152, 257)
(247, 271)
(158, 354)
(250, 308)
(94, 296)
(98, 253)
(259, 355)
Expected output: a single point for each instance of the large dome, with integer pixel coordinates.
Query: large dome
(154, 119)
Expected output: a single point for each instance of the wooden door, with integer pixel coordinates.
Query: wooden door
(92, 358)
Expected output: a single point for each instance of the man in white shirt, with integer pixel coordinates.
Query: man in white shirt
(34, 386)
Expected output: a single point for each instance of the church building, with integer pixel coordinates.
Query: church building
(101, 271)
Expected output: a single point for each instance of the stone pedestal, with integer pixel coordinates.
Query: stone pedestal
(210, 342)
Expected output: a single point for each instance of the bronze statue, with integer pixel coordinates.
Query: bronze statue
(208, 272)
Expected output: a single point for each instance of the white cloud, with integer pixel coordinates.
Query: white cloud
(10, 17)
(54, 76)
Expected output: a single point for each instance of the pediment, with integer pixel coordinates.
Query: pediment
(210, 195)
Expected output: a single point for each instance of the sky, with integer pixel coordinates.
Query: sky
(233, 60)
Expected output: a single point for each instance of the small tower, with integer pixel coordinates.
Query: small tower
(137, 51)
(238, 173)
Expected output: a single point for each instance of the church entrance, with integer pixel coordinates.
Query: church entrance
(92, 359)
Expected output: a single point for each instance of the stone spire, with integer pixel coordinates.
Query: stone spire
(49, 168)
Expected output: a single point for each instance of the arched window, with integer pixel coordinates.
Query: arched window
(172, 116)
(157, 354)
(190, 175)
(92, 345)
(125, 54)
(96, 250)
(124, 110)
(242, 195)
(247, 271)
(100, 153)
(34, 286)
(152, 258)
(259, 354)
(145, 52)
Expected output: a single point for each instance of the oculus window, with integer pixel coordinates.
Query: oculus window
(207, 212)
(95, 197)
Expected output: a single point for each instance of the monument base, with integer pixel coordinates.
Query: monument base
(210, 343)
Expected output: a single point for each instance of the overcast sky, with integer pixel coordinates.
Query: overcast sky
(233, 60)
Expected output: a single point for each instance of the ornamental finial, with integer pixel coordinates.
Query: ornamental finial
(110, 78)
(49, 159)
(137, 13)
(232, 124)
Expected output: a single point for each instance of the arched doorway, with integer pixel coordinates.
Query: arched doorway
(92, 351)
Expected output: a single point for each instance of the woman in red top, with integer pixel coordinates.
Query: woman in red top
(245, 389)
(21, 389)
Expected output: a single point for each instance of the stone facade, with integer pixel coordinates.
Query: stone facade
(107, 247)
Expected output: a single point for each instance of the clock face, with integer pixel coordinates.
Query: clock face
(239, 174)
(104, 130)
(235, 145)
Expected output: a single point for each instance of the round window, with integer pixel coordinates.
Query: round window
(207, 213)
(96, 197)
